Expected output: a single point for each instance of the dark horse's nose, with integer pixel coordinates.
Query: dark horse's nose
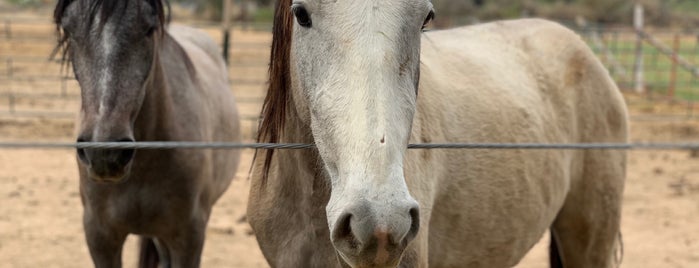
(106, 164)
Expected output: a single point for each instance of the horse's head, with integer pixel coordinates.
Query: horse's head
(354, 71)
(111, 46)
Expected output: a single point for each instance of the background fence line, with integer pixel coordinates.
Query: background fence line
(614, 45)
(20, 84)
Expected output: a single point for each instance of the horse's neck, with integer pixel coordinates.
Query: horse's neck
(154, 114)
(296, 131)
(300, 170)
(298, 190)
(154, 121)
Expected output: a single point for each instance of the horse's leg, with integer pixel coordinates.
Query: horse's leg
(154, 254)
(186, 246)
(105, 245)
(587, 227)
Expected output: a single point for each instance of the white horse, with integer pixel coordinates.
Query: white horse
(345, 76)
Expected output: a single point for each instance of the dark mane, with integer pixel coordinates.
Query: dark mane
(105, 9)
(277, 100)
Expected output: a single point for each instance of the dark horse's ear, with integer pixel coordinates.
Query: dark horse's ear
(60, 9)
(62, 44)
(161, 9)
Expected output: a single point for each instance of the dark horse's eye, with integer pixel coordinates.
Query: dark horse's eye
(428, 19)
(302, 16)
(150, 31)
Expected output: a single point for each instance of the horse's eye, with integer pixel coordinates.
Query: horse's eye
(150, 31)
(302, 16)
(428, 19)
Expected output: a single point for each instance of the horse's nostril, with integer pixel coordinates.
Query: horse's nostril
(82, 156)
(124, 156)
(81, 152)
(343, 230)
(414, 224)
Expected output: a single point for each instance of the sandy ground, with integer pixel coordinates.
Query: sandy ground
(40, 210)
(40, 215)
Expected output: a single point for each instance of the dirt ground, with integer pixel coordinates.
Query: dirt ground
(40, 210)
(40, 215)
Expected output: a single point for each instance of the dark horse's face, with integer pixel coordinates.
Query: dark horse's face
(111, 47)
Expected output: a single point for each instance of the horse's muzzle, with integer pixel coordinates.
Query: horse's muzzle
(107, 165)
(367, 237)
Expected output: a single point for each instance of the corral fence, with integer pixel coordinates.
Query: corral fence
(671, 58)
(660, 64)
(33, 85)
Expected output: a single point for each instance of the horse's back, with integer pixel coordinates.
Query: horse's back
(210, 73)
(210, 103)
(532, 77)
(196, 41)
(513, 81)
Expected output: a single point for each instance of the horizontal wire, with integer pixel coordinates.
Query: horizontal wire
(231, 145)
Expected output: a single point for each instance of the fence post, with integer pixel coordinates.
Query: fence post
(615, 43)
(638, 67)
(8, 29)
(11, 98)
(245, 14)
(673, 70)
(10, 67)
(64, 87)
(690, 109)
(227, 5)
(690, 100)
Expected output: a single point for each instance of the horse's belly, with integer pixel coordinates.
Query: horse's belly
(490, 213)
(499, 241)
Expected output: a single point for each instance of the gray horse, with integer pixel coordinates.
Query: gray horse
(141, 80)
(345, 76)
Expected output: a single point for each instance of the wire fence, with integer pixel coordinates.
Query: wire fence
(33, 86)
(670, 59)
(691, 146)
(670, 67)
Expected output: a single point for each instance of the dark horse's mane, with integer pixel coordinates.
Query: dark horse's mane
(105, 9)
(276, 102)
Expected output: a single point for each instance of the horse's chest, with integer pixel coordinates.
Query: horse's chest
(147, 209)
(144, 208)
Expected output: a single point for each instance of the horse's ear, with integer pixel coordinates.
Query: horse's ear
(60, 9)
(161, 12)
(161, 9)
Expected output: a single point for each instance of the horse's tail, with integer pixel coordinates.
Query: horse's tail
(554, 253)
(148, 258)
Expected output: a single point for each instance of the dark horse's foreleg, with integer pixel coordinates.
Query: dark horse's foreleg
(153, 254)
(186, 247)
(105, 245)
